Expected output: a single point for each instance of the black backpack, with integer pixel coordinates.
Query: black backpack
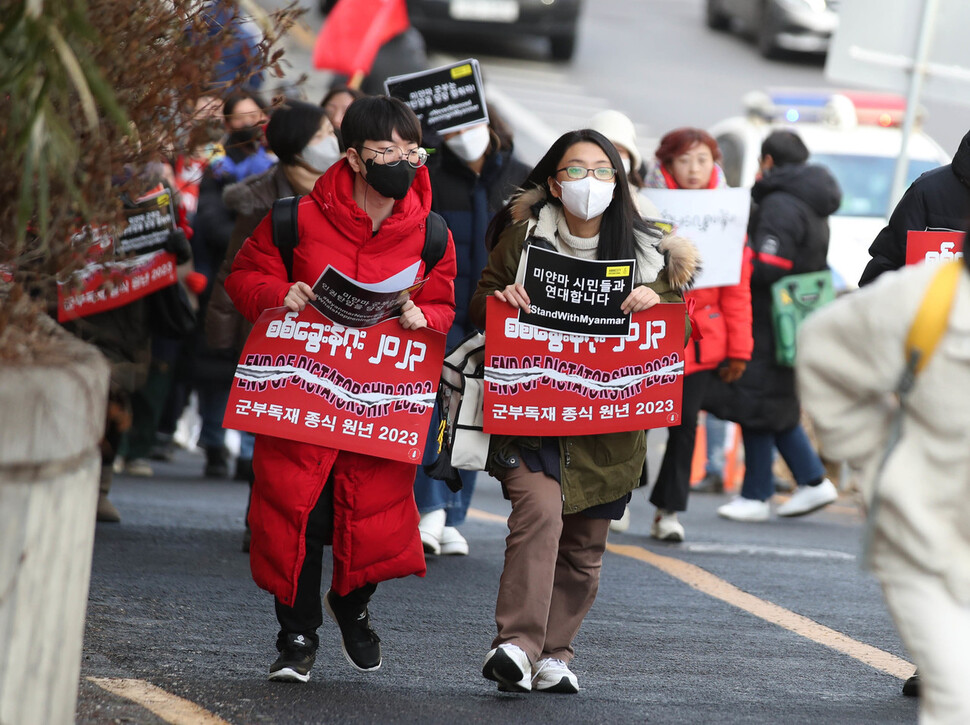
(286, 234)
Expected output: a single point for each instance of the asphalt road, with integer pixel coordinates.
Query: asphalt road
(693, 633)
(654, 60)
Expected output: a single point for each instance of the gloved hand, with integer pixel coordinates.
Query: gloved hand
(732, 371)
(178, 245)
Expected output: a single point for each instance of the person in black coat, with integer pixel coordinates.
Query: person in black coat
(473, 174)
(209, 372)
(788, 233)
(938, 200)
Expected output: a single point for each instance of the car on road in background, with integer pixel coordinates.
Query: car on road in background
(856, 135)
(805, 26)
(556, 20)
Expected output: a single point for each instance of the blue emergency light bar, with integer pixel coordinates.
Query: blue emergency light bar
(818, 104)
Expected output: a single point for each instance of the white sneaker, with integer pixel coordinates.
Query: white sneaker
(809, 498)
(430, 527)
(623, 523)
(139, 467)
(452, 542)
(553, 675)
(509, 666)
(745, 509)
(666, 527)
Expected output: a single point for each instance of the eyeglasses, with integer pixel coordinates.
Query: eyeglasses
(393, 155)
(602, 173)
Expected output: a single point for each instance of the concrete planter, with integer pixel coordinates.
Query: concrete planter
(51, 421)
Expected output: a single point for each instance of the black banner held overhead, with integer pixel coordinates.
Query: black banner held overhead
(578, 296)
(444, 99)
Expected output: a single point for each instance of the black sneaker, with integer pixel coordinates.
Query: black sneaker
(711, 483)
(296, 658)
(216, 462)
(911, 686)
(360, 643)
(244, 470)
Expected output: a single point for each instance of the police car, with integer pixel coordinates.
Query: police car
(856, 135)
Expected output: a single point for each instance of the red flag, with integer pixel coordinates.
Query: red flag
(354, 31)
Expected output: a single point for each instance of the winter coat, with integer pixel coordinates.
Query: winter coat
(788, 233)
(601, 468)
(212, 228)
(124, 337)
(937, 200)
(375, 519)
(250, 201)
(468, 201)
(721, 316)
(850, 359)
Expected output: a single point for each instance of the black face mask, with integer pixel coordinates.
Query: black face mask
(390, 181)
(247, 137)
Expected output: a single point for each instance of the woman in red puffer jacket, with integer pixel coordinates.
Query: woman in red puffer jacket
(722, 343)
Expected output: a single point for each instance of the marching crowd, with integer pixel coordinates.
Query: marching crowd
(367, 184)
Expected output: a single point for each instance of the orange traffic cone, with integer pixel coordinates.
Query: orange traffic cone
(733, 458)
(698, 463)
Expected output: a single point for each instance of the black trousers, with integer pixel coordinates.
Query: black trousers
(306, 614)
(673, 481)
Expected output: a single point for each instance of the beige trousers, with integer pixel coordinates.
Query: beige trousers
(935, 628)
(552, 568)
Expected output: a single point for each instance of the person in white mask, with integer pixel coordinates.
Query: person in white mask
(565, 490)
(473, 174)
(619, 129)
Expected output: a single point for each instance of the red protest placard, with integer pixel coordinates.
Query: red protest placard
(545, 383)
(103, 287)
(304, 378)
(933, 246)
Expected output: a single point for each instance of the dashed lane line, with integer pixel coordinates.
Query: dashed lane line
(170, 708)
(707, 583)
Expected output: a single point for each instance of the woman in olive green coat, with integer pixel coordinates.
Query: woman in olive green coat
(565, 490)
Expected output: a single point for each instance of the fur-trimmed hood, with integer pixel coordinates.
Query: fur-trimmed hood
(674, 255)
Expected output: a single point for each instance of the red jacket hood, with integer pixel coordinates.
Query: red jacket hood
(334, 192)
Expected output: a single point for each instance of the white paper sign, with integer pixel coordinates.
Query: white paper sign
(715, 220)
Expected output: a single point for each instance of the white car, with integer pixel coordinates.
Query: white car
(856, 135)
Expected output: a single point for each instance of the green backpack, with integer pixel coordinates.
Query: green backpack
(793, 298)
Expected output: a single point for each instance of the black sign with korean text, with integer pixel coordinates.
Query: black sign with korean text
(444, 99)
(357, 304)
(581, 296)
(150, 220)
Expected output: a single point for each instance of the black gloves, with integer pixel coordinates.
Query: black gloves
(179, 245)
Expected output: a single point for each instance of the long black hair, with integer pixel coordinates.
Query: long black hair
(616, 239)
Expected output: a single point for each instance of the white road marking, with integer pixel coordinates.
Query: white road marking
(756, 550)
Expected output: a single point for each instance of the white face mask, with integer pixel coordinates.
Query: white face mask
(470, 145)
(626, 165)
(321, 156)
(586, 198)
